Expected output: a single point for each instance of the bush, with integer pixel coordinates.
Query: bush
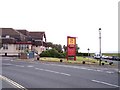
(52, 53)
(82, 54)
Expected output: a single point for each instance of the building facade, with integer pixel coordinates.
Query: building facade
(13, 42)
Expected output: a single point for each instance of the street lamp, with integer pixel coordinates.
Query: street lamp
(88, 54)
(88, 51)
(100, 45)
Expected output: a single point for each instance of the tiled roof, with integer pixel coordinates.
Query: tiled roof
(8, 40)
(37, 35)
(12, 33)
(22, 35)
(24, 32)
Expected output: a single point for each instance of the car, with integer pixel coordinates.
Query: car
(97, 56)
(110, 57)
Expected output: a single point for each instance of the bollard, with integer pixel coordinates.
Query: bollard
(83, 62)
(110, 63)
(61, 60)
(106, 61)
(37, 58)
(102, 63)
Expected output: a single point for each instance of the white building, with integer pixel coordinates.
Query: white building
(13, 42)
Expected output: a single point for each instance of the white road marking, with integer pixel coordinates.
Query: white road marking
(53, 71)
(6, 64)
(13, 83)
(96, 81)
(109, 72)
(30, 66)
(19, 65)
(12, 64)
(78, 67)
(11, 60)
(6, 59)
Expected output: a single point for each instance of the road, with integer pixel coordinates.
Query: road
(35, 74)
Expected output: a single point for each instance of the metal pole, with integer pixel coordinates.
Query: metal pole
(100, 45)
(88, 54)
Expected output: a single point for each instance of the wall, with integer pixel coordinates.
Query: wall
(11, 50)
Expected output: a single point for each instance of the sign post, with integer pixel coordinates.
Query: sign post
(71, 47)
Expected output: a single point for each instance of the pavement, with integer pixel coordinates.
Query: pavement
(36, 74)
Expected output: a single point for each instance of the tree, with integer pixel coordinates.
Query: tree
(49, 44)
(77, 49)
(65, 48)
(58, 47)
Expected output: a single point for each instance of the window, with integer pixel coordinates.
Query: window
(17, 47)
(22, 47)
(5, 46)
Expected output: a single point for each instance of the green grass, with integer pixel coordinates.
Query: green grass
(78, 61)
(110, 54)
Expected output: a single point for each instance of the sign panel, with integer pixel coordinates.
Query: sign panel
(71, 47)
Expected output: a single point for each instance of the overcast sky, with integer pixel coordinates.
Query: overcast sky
(62, 18)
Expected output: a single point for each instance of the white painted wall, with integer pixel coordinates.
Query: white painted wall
(12, 50)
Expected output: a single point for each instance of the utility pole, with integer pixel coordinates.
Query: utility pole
(88, 54)
(100, 45)
(88, 51)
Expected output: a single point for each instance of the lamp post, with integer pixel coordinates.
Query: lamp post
(88, 55)
(88, 51)
(100, 45)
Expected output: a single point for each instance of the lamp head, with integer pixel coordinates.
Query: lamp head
(99, 28)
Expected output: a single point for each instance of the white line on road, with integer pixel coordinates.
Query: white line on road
(53, 71)
(109, 72)
(12, 64)
(19, 65)
(30, 66)
(84, 68)
(6, 64)
(105, 83)
(13, 83)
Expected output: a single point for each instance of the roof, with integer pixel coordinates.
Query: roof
(8, 40)
(12, 33)
(37, 35)
(9, 31)
(22, 35)
(24, 32)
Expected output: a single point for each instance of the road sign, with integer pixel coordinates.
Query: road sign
(71, 47)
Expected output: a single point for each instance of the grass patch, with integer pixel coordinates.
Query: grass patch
(79, 60)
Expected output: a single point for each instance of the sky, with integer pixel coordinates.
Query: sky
(62, 18)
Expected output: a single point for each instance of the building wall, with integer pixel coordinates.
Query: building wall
(12, 50)
(39, 49)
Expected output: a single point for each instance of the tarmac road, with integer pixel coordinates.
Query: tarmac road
(52, 75)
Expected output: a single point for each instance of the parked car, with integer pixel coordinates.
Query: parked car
(110, 57)
(97, 56)
(115, 58)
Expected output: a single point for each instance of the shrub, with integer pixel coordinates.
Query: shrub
(52, 53)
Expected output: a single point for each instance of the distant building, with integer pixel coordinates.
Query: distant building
(13, 42)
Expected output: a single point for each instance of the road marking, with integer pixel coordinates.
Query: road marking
(53, 71)
(109, 72)
(30, 66)
(6, 59)
(6, 64)
(13, 83)
(105, 83)
(11, 60)
(19, 65)
(84, 68)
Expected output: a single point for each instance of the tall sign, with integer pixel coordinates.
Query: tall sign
(71, 47)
